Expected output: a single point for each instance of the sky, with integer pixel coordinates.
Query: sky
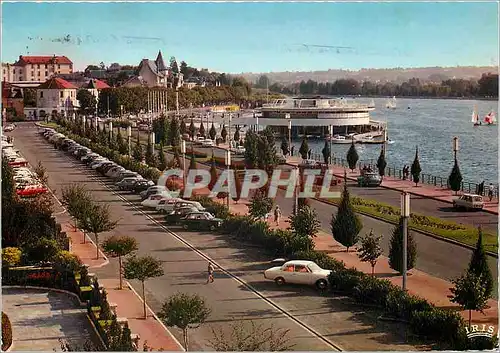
(257, 37)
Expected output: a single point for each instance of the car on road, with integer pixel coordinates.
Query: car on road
(175, 216)
(299, 272)
(207, 143)
(369, 179)
(238, 150)
(468, 202)
(127, 184)
(200, 221)
(9, 128)
(308, 163)
(142, 185)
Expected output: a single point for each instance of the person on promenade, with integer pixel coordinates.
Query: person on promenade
(491, 189)
(292, 150)
(277, 215)
(481, 188)
(210, 273)
(404, 172)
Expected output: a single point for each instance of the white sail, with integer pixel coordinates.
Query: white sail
(474, 116)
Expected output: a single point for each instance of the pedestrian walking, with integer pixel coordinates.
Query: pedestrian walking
(404, 172)
(210, 273)
(309, 154)
(292, 150)
(491, 189)
(277, 215)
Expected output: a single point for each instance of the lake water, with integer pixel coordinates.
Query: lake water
(431, 124)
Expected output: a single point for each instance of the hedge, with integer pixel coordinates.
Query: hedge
(39, 277)
(6, 332)
(459, 232)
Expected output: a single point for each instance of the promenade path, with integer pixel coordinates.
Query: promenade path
(434, 289)
(40, 318)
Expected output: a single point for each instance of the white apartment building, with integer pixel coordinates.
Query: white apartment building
(35, 69)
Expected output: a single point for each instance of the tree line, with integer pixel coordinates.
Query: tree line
(486, 86)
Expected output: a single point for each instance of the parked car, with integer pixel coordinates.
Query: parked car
(308, 163)
(299, 272)
(31, 190)
(127, 183)
(9, 128)
(153, 200)
(207, 143)
(142, 185)
(175, 216)
(238, 150)
(115, 171)
(126, 174)
(152, 190)
(369, 179)
(187, 203)
(167, 205)
(200, 221)
(469, 202)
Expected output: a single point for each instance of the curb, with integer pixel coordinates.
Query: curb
(432, 235)
(58, 291)
(182, 349)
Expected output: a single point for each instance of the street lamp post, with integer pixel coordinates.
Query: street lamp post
(331, 137)
(287, 116)
(455, 146)
(230, 136)
(296, 191)
(183, 151)
(257, 123)
(129, 140)
(228, 165)
(405, 213)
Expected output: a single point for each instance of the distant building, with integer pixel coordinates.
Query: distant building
(154, 73)
(56, 95)
(135, 81)
(12, 100)
(33, 70)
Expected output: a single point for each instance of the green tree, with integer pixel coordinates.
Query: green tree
(455, 178)
(479, 264)
(138, 152)
(142, 269)
(381, 163)
(119, 246)
(326, 152)
(346, 225)
(285, 149)
(251, 150)
(304, 148)
(121, 143)
(396, 249)
(183, 128)
(87, 101)
(162, 161)
(260, 205)
(42, 250)
(305, 223)
(78, 201)
(212, 133)
(223, 133)
(41, 173)
(213, 173)
(11, 256)
(352, 156)
(175, 132)
(236, 136)
(114, 334)
(98, 220)
(469, 293)
(370, 249)
(251, 338)
(126, 344)
(184, 311)
(415, 169)
(192, 129)
(202, 130)
(150, 156)
(8, 186)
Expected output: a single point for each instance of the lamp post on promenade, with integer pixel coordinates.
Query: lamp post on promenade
(129, 140)
(287, 116)
(455, 146)
(228, 165)
(405, 213)
(331, 137)
(230, 136)
(183, 151)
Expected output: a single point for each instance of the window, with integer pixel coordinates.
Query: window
(41, 94)
(288, 268)
(20, 78)
(46, 73)
(14, 71)
(300, 268)
(61, 94)
(32, 73)
(38, 66)
(58, 66)
(38, 74)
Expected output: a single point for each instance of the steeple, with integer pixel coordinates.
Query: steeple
(160, 64)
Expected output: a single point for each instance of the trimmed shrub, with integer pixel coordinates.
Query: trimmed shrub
(438, 325)
(6, 332)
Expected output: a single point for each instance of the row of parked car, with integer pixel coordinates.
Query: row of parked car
(191, 215)
(26, 181)
(188, 214)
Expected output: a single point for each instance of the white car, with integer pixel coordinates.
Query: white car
(207, 143)
(299, 272)
(153, 200)
(9, 127)
(469, 202)
(238, 150)
(167, 205)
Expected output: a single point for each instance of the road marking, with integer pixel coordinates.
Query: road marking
(234, 277)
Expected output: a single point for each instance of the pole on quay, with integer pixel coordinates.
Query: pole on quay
(183, 151)
(228, 164)
(405, 213)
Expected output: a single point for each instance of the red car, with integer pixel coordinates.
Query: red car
(31, 190)
(20, 162)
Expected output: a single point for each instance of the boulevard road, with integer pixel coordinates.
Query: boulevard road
(184, 255)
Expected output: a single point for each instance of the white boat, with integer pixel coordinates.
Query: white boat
(490, 119)
(475, 118)
(391, 103)
(338, 139)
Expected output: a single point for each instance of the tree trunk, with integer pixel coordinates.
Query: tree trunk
(120, 269)
(470, 317)
(373, 270)
(185, 336)
(97, 246)
(144, 301)
(84, 236)
(346, 249)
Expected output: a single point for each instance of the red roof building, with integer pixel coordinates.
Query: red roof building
(42, 60)
(35, 69)
(56, 83)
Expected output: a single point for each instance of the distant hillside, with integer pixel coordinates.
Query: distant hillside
(397, 75)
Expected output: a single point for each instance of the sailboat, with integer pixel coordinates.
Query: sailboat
(391, 104)
(490, 118)
(475, 118)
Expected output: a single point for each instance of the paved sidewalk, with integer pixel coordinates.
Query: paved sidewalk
(431, 288)
(40, 318)
(424, 190)
(85, 251)
(129, 305)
